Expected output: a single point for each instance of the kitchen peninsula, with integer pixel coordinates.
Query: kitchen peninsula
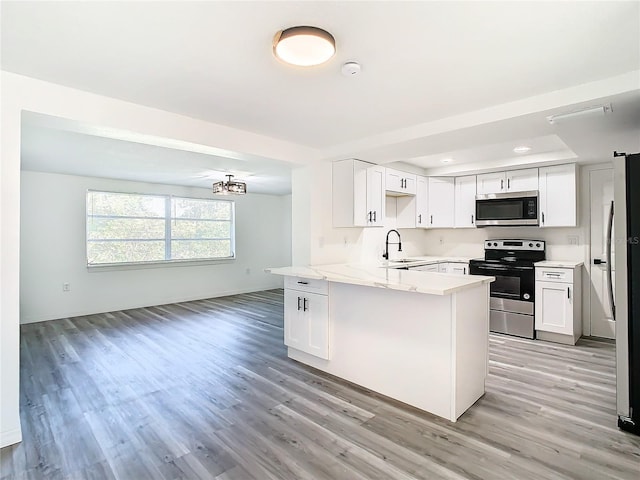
(417, 337)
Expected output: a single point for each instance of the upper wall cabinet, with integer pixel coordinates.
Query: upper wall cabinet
(358, 194)
(441, 198)
(557, 200)
(510, 181)
(465, 201)
(400, 183)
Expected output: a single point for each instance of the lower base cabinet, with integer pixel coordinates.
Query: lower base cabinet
(558, 305)
(306, 320)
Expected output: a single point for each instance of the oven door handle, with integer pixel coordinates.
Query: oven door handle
(502, 268)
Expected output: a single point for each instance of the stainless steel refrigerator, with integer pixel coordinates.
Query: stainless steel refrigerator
(627, 289)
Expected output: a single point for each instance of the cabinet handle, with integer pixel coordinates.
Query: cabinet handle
(569, 293)
(375, 216)
(298, 303)
(420, 218)
(304, 304)
(369, 217)
(431, 219)
(471, 219)
(464, 270)
(501, 184)
(303, 283)
(508, 183)
(543, 217)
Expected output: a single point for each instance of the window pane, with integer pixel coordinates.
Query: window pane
(200, 229)
(125, 205)
(185, 249)
(193, 208)
(123, 228)
(124, 252)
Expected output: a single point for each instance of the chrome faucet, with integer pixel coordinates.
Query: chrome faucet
(385, 255)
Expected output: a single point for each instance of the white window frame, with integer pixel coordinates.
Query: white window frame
(168, 219)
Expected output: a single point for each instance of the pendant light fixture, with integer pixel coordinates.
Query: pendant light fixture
(304, 46)
(230, 187)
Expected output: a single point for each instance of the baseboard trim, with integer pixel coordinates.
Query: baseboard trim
(81, 313)
(9, 437)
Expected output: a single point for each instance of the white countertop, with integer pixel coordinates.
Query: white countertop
(371, 276)
(417, 260)
(559, 264)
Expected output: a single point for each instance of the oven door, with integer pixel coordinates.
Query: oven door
(507, 209)
(513, 282)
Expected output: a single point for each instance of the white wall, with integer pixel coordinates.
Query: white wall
(19, 93)
(52, 251)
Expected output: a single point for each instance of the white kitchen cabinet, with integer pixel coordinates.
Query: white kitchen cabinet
(306, 321)
(456, 268)
(490, 183)
(400, 183)
(358, 194)
(465, 201)
(440, 202)
(557, 201)
(558, 304)
(422, 212)
(510, 181)
(434, 267)
(522, 180)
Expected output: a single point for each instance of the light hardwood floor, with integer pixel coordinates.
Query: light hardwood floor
(204, 390)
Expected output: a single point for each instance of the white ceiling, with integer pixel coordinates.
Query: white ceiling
(450, 79)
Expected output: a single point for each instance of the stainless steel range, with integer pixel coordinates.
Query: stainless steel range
(511, 262)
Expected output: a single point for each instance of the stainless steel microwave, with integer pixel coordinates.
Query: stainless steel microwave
(507, 209)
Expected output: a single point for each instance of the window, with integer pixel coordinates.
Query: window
(135, 228)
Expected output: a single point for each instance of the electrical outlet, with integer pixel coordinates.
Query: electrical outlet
(573, 239)
(66, 287)
(248, 271)
(441, 240)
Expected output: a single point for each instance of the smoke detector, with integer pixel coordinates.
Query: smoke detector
(350, 69)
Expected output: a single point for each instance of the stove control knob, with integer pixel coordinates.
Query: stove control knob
(495, 244)
(537, 244)
(531, 244)
(526, 296)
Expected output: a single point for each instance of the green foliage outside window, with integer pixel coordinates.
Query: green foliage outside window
(132, 228)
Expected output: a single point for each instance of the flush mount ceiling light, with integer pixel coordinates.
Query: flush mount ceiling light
(447, 160)
(304, 46)
(585, 112)
(521, 149)
(230, 187)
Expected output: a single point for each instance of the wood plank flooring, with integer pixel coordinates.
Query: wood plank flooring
(204, 390)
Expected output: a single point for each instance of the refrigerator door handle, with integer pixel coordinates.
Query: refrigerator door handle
(609, 272)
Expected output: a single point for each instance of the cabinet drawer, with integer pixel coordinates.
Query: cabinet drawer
(564, 275)
(310, 285)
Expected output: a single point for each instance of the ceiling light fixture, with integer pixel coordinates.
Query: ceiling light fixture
(447, 160)
(585, 112)
(229, 187)
(521, 149)
(304, 46)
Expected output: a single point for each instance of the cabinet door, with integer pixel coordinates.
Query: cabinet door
(557, 196)
(409, 184)
(306, 322)
(295, 328)
(522, 180)
(422, 213)
(316, 317)
(458, 268)
(465, 201)
(393, 180)
(375, 196)
(425, 268)
(441, 198)
(554, 307)
(491, 183)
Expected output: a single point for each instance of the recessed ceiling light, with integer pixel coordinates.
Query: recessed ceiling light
(447, 160)
(522, 149)
(304, 46)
